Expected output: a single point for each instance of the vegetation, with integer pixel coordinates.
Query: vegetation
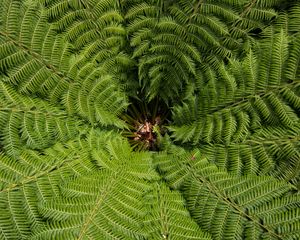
(155, 119)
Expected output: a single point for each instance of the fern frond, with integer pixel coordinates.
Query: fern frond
(39, 60)
(121, 182)
(96, 98)
(292, 69)
(34, 177)
(215, 198)
(231, 103)
(294, 18)
(167, 218)
(34, 124)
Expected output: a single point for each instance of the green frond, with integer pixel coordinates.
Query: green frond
(34, 60)
(223, 12)
(97, 99)
(231, 102)
(166, 216)
(141, 9)
(294, 19)
(265, 154)
(224, 205)
(84, 23)
(34, 124)
(273, 59)
(34, 177)
(200, 26)
(121, 182)
(292, 68)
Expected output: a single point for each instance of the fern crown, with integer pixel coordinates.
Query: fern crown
(211, 87)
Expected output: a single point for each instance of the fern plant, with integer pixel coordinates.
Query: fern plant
(218, 92)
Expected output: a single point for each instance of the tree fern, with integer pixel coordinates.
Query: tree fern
(207, 93)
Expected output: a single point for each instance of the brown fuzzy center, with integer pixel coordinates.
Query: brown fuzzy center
(145, 132)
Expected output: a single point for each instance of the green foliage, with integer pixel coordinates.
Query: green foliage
(229, 207)
(229, 164)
